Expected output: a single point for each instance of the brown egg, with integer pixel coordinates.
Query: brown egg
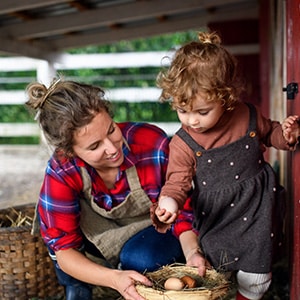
(188, 281)
(174, 283)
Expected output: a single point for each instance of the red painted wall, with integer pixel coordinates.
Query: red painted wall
(238, 33)
(293, 75)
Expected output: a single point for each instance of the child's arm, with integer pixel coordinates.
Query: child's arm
(192, 252)
(291, 129)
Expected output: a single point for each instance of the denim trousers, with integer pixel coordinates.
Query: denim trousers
(148, 250)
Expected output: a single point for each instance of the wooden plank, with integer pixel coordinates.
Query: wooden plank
(293, 75)
(32, 129)
(19, 129)
(10, 6)
(122, 94)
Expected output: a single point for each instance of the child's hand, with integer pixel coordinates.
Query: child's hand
(291, 129)
(194, 258)
(167, 210)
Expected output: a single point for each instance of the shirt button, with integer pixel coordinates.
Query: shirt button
(198, 153)
(252, 134)
(237, 177)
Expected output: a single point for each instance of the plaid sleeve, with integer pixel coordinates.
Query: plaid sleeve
(184, 220)
(59, 209)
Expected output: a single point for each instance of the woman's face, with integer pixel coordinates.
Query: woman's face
(100, 143)
(202, 116)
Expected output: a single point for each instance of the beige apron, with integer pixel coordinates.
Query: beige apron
(109, 230)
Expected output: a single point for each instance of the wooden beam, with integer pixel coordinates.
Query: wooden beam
(32, 129)
(10, 6)
(126, 33)
(13, 47)
(106, 16)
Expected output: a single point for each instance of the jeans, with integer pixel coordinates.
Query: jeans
(74, 288)
(148, 250)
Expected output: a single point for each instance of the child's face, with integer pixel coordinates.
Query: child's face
(201, 115)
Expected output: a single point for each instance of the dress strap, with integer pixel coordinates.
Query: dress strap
(195, 146)
(188, 139)
(252, 117)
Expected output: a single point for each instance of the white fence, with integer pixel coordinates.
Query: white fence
(45, 72)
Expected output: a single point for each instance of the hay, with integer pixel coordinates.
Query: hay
(26, 269)
(16, 218)
(213, 286)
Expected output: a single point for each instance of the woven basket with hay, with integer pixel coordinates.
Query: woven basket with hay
(213, 286)
(26, 270)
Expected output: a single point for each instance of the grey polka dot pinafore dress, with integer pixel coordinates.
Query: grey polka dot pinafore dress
(235, 192)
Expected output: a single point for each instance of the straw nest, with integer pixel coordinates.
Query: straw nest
(213, 286)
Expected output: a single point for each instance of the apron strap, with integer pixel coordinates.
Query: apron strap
(108, 231)
(132, 176)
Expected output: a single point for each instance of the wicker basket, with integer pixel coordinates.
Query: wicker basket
(212, 286)
(26, 270)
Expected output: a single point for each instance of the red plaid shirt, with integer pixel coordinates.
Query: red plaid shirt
(59, 208)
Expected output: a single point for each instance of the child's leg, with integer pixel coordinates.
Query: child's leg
(252, 286)
(240, 297)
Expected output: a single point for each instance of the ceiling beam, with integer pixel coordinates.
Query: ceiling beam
(11, 6)
(106, 16)
(65, 31)
(16, 48)
(168, 26)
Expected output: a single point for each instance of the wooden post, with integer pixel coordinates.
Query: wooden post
(293, 75)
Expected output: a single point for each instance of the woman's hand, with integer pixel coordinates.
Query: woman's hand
(290, 129)
(79, 266)
(124, 284)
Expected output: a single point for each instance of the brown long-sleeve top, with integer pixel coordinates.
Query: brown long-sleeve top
(231, 126)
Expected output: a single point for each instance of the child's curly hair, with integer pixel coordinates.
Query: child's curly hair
(201, 67)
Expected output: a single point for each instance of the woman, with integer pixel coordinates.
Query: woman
(98, 187)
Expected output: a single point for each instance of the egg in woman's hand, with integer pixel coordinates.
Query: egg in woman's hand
(169, 204)
(174, 283)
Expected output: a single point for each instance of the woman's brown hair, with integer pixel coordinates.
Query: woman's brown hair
(65, 107)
